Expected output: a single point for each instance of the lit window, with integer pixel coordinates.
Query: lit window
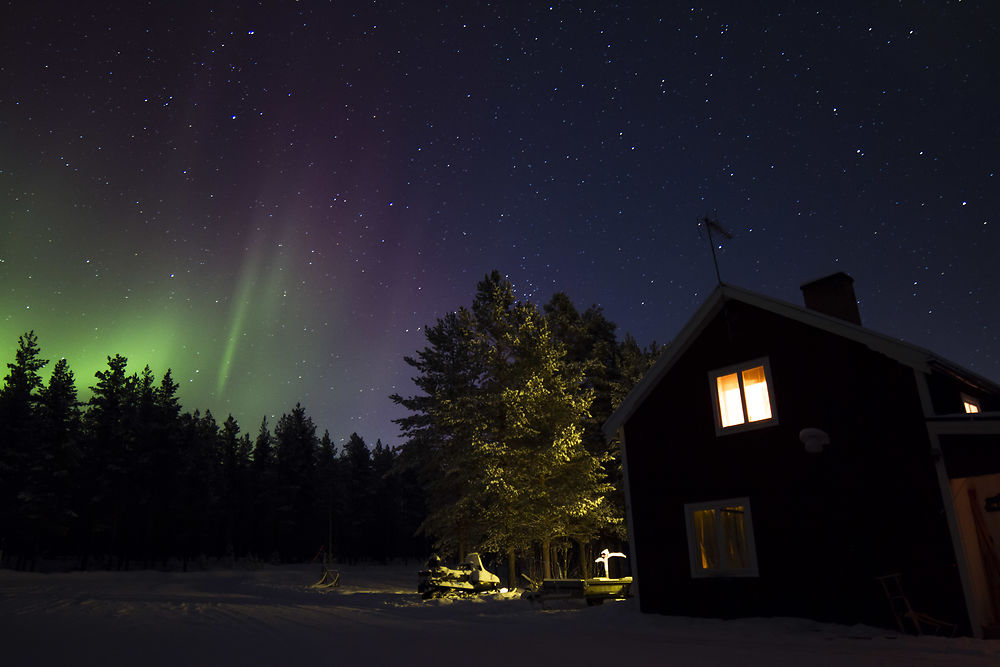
(720, 539)
(741, 395)
(970, 404)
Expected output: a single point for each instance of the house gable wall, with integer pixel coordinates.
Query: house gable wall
(825, 524)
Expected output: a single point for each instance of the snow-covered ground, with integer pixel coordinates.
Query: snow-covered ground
(271, 616)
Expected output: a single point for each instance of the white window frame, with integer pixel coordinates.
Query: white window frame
(697, 572)
(738, 369)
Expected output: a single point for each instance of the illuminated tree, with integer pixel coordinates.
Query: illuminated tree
(610, 369)
(439, 430)
(497, 432)
(541, 483)
(631, 363)
(591, 347)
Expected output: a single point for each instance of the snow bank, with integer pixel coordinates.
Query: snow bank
(271, 616)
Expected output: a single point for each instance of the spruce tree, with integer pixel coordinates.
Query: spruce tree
(262, 493)
(541, 481)
(296, 446)
(231, 489)
(358, 479)
(161, 429)
(610, 370)
(329, 490)
(385, 517)
(109, 453)
(53, 472)
(198, 507)
(439, 431)
(498, 429)
(46, 500)
(19, 418)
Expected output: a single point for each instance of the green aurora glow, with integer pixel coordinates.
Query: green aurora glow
(273, 201)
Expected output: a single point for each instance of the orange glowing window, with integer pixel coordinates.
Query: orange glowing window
(720, 539)
(742, 396)
(971, 405)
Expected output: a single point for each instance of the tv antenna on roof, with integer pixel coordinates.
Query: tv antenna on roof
(711, 224)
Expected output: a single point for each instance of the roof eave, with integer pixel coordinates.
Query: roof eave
(905, 353)
(663, 364)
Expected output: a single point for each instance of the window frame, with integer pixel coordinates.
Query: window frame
(697, 572)
(713, 377)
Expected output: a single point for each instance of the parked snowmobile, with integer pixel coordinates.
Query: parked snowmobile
(469, 578)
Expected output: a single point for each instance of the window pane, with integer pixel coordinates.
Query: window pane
(971, 407)
(720, 539)
(706, 534)
(755, 387)
(730, 404)
(734, 538)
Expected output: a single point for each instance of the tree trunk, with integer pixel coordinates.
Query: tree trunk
(511, 569)
(329, 534)
(584, 559)
(547, 559)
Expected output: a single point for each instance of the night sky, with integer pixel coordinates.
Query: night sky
(275, 201)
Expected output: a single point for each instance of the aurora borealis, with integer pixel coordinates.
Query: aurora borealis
(274, 200)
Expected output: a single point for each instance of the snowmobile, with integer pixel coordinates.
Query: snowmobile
(468, 578)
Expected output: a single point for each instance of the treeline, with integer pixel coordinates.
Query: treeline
(128, 480)
(504, 454)
(506, 432)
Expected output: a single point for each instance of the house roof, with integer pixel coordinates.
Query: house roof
(905, 353)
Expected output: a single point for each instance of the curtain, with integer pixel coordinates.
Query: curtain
(733, 528)
(730, 402)
(755, 389)
(721, 538)
(707, 538)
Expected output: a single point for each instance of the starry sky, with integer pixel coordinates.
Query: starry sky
(273, 199)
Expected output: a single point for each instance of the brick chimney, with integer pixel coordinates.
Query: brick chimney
(833, 295)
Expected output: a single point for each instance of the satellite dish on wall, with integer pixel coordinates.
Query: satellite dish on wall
(814, 439)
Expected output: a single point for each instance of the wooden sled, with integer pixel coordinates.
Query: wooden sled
(330, 579)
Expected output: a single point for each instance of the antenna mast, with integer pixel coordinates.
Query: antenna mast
(712, 223)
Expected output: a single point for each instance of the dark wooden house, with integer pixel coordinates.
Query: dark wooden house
(786, 461)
